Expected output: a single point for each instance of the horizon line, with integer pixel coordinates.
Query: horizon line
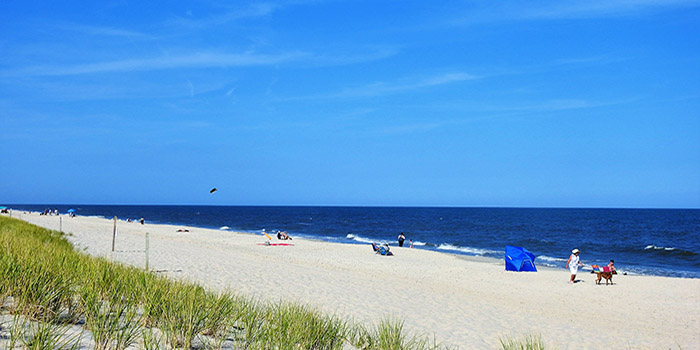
(362, 206)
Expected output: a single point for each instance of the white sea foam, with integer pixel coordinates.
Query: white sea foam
(468, 250)
(654, 247)
(359, 238)
(418, 243)
(224, 228)
(549, 259)
(98, 217)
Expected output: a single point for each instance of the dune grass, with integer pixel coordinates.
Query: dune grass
(529, 342)
(49, 288)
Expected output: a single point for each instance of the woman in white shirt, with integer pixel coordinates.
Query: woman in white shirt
(573, 263)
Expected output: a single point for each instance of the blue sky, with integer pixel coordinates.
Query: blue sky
(459, 103)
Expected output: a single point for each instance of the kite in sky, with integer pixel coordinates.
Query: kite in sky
(213, 190)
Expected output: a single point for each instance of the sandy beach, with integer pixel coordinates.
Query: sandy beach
(461, 301)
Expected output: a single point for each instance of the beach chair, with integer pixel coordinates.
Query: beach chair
(381, 250)
(598, 269)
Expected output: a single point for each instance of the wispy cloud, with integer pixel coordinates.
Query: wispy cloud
(384, 88)
(104, 31)
(204, 59)
(548, 106)
(240, 10)
(557, 105)
(254, 10)
(572, 62)
(197, 60)
(390, 88)
(191, 87)
(568, 9)
(589, 60)
(480, 113)
(602, 8)
(411, 128)
(115, 88)
(356, 56)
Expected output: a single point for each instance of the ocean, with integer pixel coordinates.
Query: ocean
(663, 242)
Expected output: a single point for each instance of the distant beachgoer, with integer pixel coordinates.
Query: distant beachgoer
(142, 221)
(410, 243)
(573, 263)
(401, 239)
(283, 235)
(387, 249)
(611, 265)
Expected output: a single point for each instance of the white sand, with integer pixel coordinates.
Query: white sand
(468, 302)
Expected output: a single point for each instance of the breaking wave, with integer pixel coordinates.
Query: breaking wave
(549, 259)
(361, 239)
(467, 250)
(671, 251)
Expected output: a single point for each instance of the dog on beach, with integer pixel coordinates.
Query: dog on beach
(607, 275)
(606, 272)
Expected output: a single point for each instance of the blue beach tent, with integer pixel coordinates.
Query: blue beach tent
(519, 259)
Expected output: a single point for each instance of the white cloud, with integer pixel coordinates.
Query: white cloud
(105, 31)
(602, 8)
(384, 88)
(411, 128)
(557, 105)
(204, 59)
(197, 60)
(488, 12)
(355, 56)
(191, 87)
(254, 10)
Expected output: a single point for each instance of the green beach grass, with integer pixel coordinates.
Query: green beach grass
(60, 298)
(56, 297)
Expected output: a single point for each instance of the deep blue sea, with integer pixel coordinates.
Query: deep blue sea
(641, 241)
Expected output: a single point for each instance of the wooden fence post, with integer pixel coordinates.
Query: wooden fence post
(114, 232)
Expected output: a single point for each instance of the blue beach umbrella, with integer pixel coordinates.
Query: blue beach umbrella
(519, 259)
(71, 211)
(3, 208)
